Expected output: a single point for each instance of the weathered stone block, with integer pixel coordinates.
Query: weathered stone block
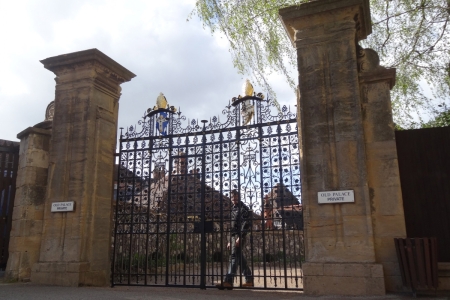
(346, 270)
(13, 264)
(32, 195)
(325, 285)
(39, 213)
(383, 173)
(312, 269)
(383, 201)
(390, 226)
(355, 225)
(375, 286)
(383, 150)
(323, 231)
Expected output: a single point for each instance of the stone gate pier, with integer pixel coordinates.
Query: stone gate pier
(75, 247)
(70, 160)
(347, 143)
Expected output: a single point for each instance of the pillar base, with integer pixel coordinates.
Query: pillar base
(350, 279)
(67, 274)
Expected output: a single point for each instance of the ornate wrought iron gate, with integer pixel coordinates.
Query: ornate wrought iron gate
(172, 217)
(9, 161)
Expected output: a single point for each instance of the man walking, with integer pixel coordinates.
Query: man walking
(240, 226)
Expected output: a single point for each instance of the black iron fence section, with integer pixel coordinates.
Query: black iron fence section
(172, 217)
(9, 161)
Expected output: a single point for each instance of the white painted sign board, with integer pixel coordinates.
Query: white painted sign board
(63, 206)
(346, 196)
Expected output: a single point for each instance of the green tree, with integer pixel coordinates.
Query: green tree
(442, 119)
(409, 35)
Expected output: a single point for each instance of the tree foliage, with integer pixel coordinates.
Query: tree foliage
(442, 119)
(410, 35)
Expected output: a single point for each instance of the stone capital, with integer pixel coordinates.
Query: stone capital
(33, 130)
(80, 68)
(317, 20)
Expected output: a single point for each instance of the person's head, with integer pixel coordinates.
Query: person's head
(235, 197)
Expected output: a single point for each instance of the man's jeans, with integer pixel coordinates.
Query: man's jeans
(237, 259)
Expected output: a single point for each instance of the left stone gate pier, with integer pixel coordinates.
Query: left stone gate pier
(75, 245)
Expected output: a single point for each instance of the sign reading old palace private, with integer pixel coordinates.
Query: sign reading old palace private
(336, 196)
(62, 206)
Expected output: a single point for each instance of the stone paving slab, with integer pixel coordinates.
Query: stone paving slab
(19, 291)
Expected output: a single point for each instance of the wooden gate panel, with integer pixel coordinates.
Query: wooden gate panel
(424, 164)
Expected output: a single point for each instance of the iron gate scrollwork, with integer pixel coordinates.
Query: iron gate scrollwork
(172, 208)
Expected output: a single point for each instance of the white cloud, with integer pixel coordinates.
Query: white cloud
(150, 38)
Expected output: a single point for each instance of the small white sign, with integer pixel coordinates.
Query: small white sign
(336, 196)
(63, 206)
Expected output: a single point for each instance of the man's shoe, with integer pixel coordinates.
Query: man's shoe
(224, 285)
(247, 284)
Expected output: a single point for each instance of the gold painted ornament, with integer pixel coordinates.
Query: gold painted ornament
(161, 101)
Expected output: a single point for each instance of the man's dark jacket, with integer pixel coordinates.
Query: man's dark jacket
(240, 219)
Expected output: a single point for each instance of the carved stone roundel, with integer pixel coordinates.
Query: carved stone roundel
(50, 111)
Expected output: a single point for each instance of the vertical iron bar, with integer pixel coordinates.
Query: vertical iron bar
(185, 184)
(238, 150)
(185, 208)
(116, 221)
(149, 185)
(272, 230)
(263, 224)
(133, 173)
(203, 215)
(283, 215)
(168, 216)
(221, 199)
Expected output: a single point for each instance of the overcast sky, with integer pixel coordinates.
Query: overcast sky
(150, 38)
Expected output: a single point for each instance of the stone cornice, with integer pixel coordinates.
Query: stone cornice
(62, 64)
(34, 130)
(6, 143)
(296, 17)
(381, 74)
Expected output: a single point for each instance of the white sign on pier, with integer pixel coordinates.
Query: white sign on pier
(345, 196)
(63, 206)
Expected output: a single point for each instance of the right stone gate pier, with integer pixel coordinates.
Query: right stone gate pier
(347, 143)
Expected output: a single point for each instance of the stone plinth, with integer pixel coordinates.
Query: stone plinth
(345, 243)
(75, 248)
(28, 211)
(353, 279)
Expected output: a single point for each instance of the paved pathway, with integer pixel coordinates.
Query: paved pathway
(25, 291)
(19, 291)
